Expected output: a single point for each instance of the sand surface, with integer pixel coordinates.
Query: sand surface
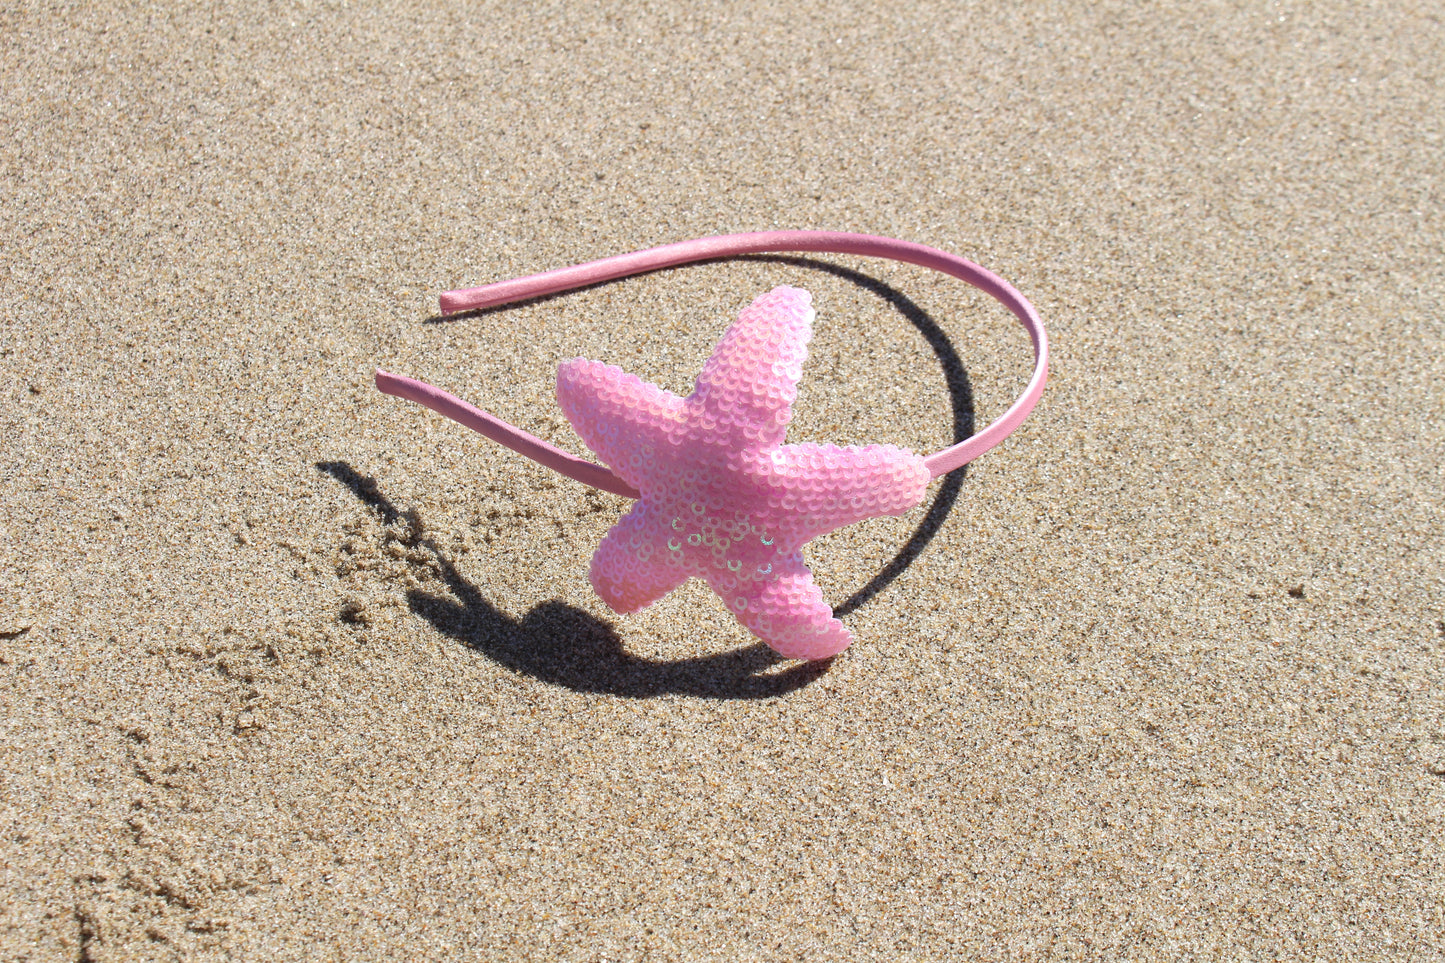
(293, 670)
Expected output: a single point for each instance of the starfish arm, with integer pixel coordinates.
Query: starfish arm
(788, 612)
(748, 386)
(616, 414)
(630, 570)
(825, 487)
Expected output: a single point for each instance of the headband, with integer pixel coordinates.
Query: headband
(720, 496)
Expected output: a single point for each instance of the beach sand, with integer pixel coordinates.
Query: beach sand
(291, 669)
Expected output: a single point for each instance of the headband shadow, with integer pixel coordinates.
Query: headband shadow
(960, 392)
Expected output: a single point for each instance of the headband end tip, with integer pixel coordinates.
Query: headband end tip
(385, 381)
(453, 302)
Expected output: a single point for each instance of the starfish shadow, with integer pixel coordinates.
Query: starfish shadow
(559, 643)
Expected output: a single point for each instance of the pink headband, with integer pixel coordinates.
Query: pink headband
(719, 495)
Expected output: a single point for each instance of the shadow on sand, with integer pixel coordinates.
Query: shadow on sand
(564, 645)
(560, 643)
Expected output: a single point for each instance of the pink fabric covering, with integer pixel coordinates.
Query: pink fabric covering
(722, 498)
(731, 245)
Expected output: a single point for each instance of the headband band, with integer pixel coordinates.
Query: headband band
(720, 496)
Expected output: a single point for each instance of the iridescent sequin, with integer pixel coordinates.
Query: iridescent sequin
(713, 467)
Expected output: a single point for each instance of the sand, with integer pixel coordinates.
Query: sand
(293, 670)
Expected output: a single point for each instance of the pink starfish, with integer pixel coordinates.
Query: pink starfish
(721, 497)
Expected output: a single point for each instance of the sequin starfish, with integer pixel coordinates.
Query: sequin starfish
(722, 498)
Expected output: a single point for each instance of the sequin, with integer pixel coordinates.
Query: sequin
(716, 463)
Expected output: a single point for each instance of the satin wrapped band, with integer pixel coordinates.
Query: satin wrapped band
(711, 248)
